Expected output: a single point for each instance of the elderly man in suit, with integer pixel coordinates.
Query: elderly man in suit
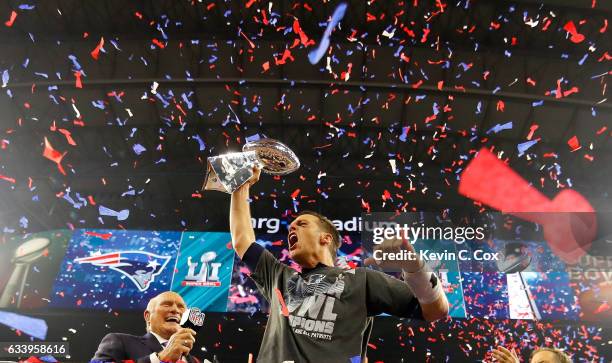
(165, 340)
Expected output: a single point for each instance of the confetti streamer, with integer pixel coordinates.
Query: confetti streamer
(315, 56)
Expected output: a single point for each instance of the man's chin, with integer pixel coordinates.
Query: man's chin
(296, 256)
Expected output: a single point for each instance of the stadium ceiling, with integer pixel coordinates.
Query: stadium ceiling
(185, 80)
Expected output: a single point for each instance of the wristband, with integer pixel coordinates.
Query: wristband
(424, 284)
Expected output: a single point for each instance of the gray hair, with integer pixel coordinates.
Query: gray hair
(561, 356)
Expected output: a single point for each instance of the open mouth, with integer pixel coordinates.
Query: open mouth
(293, 240)
(173, 319)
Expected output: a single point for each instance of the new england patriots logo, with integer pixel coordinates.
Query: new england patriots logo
(140, 267)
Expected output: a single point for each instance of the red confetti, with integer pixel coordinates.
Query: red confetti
(570, 91)
(10, 22)
(490, 181)
(574, 144)
(425, 34)
(158, 43)
(68, 136)
(602, 308)
(570, 27)
(96, 52)
(605, 56)
(303, 37)
(78, 83)
(283, 60)
(54, 155)
(501, 105)
(532, 129)
(251, 44)
(8, 179)
(104, 236)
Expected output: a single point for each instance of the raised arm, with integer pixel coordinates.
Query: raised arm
(240, 216)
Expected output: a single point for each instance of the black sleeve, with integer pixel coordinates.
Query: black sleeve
(265, 269)
(386, 294)
(110, 349)
(251, 256)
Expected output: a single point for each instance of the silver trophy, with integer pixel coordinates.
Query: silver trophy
(23, 258)
(228, 172)
(276, 157)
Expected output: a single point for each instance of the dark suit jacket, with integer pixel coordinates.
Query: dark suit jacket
(117, 347)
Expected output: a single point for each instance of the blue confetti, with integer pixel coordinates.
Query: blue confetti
(5, 78)
(75, 62)
(138, 149)
(522, 147)
(121, 215)
(499, 127)
(200, 142)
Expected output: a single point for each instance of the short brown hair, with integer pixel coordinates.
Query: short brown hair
(562, 357)
(327, 226)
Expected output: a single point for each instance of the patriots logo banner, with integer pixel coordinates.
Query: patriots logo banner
(139, 266)
(115, 269)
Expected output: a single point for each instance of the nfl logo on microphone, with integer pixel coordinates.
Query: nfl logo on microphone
(196, 317)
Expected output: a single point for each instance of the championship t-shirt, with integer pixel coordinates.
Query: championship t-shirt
(323, 314)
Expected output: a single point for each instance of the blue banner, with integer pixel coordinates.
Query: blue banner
(203, 272)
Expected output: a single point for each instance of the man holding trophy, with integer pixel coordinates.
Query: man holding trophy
(323, 313)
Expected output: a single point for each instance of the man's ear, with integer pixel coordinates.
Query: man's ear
(147, 316)
(326, 238)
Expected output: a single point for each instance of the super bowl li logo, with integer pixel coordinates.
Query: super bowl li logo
(207, 275)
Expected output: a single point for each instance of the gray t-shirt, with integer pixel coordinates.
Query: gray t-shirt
(323, 314)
